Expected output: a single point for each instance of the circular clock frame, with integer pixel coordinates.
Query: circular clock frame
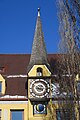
(39, 88)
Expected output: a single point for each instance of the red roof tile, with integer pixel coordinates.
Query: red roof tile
(16, 64)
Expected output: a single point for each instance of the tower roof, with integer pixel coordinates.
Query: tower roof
(39, 53)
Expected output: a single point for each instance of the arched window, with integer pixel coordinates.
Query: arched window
(39, 71)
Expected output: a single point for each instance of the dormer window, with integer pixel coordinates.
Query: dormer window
(2, 85)
(39, 71)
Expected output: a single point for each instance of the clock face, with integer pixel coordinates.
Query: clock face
(39, 88)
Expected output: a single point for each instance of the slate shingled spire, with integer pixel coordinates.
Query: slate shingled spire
(39, 54)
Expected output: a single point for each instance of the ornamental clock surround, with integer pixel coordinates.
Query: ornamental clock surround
(39, 88)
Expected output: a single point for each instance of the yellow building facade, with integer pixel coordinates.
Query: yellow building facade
(29, 91)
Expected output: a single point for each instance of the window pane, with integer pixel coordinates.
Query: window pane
(16, 115)
(64, 114)
(78, 86)
(0, 114)
(0, 86)
(60, 115)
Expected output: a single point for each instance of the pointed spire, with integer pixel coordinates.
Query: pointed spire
(38, 11)
(39, 54)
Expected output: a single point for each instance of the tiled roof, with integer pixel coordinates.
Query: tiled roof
(14, 64)
(15, 71)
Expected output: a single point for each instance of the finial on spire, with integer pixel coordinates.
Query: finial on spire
(38, 11)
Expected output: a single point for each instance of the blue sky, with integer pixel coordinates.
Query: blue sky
(17, 25)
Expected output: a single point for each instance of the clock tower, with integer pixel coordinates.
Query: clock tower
(39, 76)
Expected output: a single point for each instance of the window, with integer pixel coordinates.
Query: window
(0, 114)
(78, 88)
(17, 115)
(39, 71)
(79, 112)
(0, 87)
(64, 114)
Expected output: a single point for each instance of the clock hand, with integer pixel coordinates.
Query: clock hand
(39, 86)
